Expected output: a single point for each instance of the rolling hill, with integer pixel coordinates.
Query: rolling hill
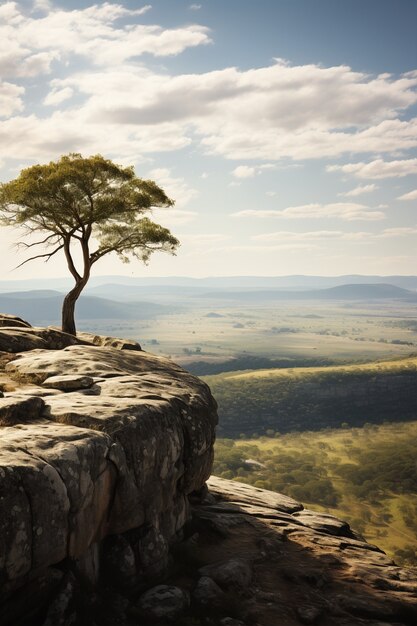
(353, 291)
(311, 398)
(45, 306)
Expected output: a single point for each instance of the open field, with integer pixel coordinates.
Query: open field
(367, 476)
(343, 332)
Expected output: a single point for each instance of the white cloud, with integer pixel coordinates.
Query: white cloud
(56, 96)
(176, 188)
(244, 171)
(278, 113)
(339, 210)
(42, 5)
(358, 191)
(411, 195)
(315, 235)
(267, 249)
(28, 43)
(173, 217)
(203, 239)
(10, 99)
(399, 231)
(266, 113)
(378, 169)
(329, 235)
(195, 7)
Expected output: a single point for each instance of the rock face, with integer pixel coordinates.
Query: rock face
(277, 563)
(95, 442)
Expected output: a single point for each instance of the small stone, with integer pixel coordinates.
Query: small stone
(208, 594)
(230, 621)
(232, 573)
(164, 602)
(119, 561)
(308, 614)
(61, 611)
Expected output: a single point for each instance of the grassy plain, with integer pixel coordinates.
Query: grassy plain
(367, 476)
(341, 332)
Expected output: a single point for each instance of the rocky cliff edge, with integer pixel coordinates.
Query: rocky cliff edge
(105, 518)
(95, 441)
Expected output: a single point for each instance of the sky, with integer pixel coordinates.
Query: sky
(285, 130)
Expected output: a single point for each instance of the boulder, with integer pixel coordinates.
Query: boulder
(81, 467)
(208, 595)
(18, 409)
(12, 321)
(164, 602)
(233, 573)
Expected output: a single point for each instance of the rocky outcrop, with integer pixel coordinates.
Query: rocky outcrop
(105, 518)
(263, 559)
(99, 450)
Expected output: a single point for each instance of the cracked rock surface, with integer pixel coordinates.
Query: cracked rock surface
(113, 442)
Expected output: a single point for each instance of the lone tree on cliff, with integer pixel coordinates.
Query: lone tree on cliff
(90, 204)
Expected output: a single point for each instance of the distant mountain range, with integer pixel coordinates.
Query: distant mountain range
(298, 282)
(45, 306)
(342, 292)
(129, 301)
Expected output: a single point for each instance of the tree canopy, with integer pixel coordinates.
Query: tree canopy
(90, 203)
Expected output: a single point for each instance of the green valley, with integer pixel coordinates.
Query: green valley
(367, 476)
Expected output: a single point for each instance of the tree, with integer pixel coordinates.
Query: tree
(90, 204)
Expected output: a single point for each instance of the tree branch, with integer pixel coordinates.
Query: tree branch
(40, 256)
(36, 243)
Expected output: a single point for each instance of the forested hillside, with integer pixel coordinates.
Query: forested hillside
(284, 400)
(367, 476)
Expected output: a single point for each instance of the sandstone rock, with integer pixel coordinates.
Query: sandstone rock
(238, 492)
(89, 466)
(62, 610)
(208, 595)
(17, 409)
(153, 549)
(23, 339)
(13, 341)
(364, 607)
(10, 321)
(323, 522)
(31, 597)
(119, 562)
(164, 602)
(109, 342)
(309, 614)
(314, 577)
(68, 382)
(233, 573)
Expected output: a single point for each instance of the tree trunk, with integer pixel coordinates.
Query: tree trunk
(68, 308)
